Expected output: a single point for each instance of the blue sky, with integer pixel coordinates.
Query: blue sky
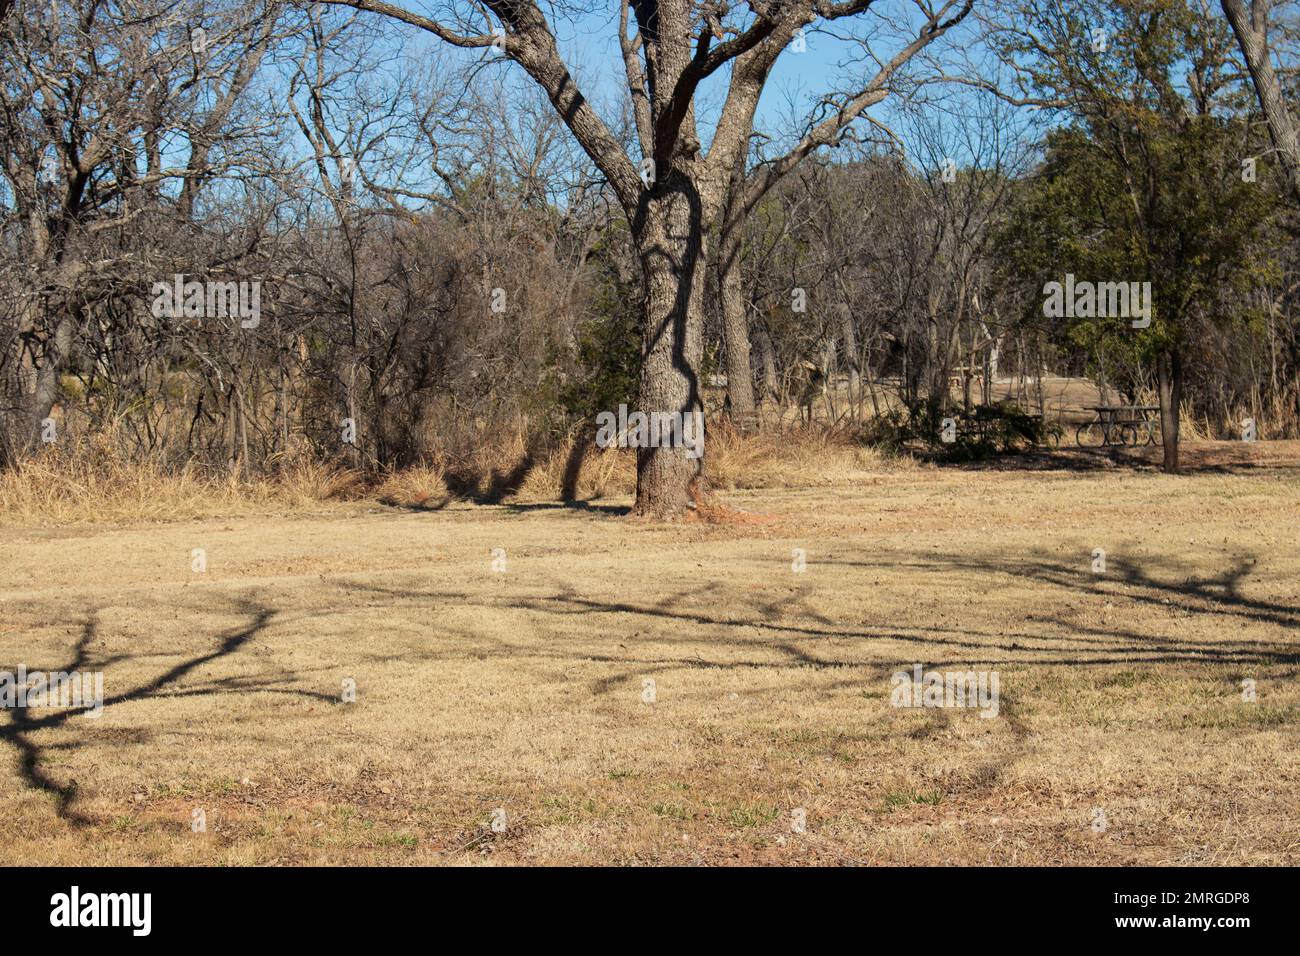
(589, 43)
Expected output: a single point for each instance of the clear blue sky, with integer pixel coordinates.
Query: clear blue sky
(589, 43)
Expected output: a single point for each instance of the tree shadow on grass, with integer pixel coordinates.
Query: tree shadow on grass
(517, 507)
(785, 635)
(22, 725)
(1217, 593)
(1195, 459)
(613, 511)
(789, 627)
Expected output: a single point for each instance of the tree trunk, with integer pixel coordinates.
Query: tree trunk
(830, 372)
(46, 391)
(670, 244)
(1252, 36)
(735, 329)
(1170, 370)
(852, 357)
(767, 356)
(43, 378)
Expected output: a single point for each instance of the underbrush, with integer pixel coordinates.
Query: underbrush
(92, 480)
(988, 430)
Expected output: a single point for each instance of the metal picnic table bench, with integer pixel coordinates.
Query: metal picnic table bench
(1119, 425)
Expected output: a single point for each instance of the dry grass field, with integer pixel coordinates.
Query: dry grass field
(524, 689)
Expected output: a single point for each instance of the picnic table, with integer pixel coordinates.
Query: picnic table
(1119, 425)
(985, 422)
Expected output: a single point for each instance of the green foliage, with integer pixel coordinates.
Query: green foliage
(989, 430)
(607, 354)
(1144, 185)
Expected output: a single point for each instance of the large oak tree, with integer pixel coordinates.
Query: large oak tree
(670, 184)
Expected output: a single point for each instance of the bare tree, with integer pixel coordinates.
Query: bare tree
(825, 127)
(674, 193)
(95, 101)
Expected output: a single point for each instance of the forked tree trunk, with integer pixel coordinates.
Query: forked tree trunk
(670, 243)
(1169, 367)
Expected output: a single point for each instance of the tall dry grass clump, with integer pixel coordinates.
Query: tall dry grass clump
(420, 486)
(94, 480)
(773, 458)
(790, 457)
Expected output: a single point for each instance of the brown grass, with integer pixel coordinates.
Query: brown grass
(523, 690)
(92, 482)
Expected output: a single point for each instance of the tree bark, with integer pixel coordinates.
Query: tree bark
(46, 392)
(670, 243)
(851, 354)
(1169, 367)
(1252, 36)
(735, 328)
(767, 357)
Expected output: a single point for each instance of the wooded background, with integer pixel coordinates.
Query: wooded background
(380, 193)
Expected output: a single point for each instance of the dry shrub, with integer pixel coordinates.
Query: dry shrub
(1190, 429)
(605, 473)
(301, 480)
(421, 486)
(789, 457)
(773, 458)
(92, 480)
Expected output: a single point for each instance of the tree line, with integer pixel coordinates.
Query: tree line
(449, 239)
